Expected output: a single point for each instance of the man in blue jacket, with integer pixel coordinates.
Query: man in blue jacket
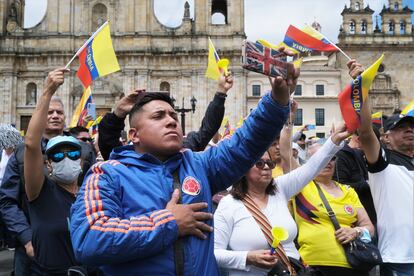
(126, 218)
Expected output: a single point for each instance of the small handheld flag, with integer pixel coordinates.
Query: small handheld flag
(81, 110)
(279, 234)
(376, 118)
(305, 41)
(352, 98)
(212, 71)
(96, 57)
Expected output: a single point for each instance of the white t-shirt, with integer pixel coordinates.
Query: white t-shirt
(236, 232)
(391, 181)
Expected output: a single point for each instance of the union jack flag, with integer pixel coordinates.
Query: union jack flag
(264, 60)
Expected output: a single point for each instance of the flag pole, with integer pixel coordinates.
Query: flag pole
(339, 49)
(86, 43)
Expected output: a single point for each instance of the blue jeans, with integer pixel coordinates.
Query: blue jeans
(394, 269)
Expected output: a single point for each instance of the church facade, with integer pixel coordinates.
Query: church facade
(160, 58)
(151, 55)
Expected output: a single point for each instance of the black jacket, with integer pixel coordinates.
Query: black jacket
(111, 126)
(351, 170)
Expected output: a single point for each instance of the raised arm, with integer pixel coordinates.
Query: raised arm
(285, 143)
(369, 142)
(227, 162)
(33, 157)
(112, 124)
(294, 181)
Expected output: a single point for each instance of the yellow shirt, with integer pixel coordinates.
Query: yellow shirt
(316, 233)
(277, 171)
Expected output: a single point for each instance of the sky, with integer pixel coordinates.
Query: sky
(264, 19)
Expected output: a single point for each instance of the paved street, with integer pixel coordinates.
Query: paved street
(6, 262)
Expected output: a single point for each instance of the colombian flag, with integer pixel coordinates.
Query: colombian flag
(81, 110)
(97, 57)
(306, 40)
(352, 98)
(376, 118)
(409, 109)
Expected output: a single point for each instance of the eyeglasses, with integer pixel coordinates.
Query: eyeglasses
(261, 164)
(85, 139)
(59, 156)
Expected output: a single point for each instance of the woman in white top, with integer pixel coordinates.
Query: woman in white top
(239, 244)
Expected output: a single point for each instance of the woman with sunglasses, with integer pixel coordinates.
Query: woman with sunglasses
(239, 243)
(51, 186)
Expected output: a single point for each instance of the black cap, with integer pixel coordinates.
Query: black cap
(395, 120)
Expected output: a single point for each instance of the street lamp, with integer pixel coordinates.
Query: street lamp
(183, 110)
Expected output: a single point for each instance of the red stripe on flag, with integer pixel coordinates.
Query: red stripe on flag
(308, 41)
(376, 121)
(83, 73)
(349, 114)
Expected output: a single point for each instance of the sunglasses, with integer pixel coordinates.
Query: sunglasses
(262, 163)
(59, 156)
(85, 139)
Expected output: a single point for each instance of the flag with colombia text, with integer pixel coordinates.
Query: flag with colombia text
(97, 56)
(351, 99)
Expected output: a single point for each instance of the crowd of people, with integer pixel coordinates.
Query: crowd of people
(149, 206)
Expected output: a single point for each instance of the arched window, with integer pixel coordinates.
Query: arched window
(31, 94)
(396, 6)
(352, 27)
(165, 86)
(364, 27)
(219, 12)
(402, 27)
(357, 6)
(391, 27)
(99, 15)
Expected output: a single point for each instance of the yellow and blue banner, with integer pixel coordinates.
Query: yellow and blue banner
(97, 57)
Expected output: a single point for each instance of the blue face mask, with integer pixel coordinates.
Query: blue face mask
(66, 171)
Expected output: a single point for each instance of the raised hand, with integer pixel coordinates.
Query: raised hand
(261, 258)
(282, 88)
(225, 82)
(124, 105)
(54, 79)
(339, 134)
(189, 218)
(355, 69)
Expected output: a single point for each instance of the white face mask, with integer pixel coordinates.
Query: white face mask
(66, 171)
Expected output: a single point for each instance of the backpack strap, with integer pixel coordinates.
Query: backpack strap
(179, 243)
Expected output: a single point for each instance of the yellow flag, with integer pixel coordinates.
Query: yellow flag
(368, 76)
(82, 107)
(212, 71)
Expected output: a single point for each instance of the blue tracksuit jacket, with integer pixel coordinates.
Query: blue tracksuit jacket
(119, 222)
